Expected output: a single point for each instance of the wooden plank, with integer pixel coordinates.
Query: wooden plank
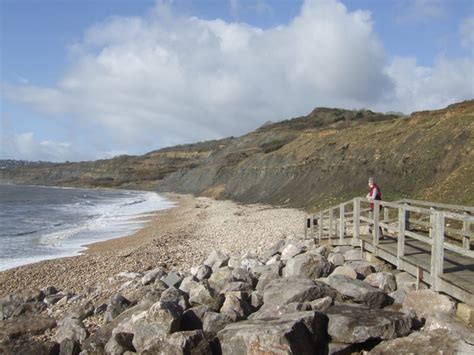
(437, 249)
(458, 279)
(356, 219)
(330, 223)
(401, 237)
(388, 227)
(466, 230)
(407, 217)
(305, 227)
(417, 209)
(440, 205)
(321, 219)
(341, 222)
(375, 232)
(419, 237)
(459, 250)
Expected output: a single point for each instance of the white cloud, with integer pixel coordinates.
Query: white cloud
(419, 88)
(26, 146)
(163, 79)
(168, 79)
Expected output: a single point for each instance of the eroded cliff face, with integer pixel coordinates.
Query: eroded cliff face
(307, 162)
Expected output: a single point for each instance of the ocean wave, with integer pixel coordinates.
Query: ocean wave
(69, 226)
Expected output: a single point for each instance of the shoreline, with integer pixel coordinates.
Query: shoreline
(142, 219)
(175, 238)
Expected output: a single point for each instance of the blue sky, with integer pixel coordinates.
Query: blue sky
(95, 78)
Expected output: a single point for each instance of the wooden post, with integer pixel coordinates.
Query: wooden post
(375, 231)
(401, 237)
(320, 226)
(330, 224)
(386, 216)
(312, 226)
(437, 249)
(431, 228)
(341, 223)
(419, 277)
(466, 228)
(356, 220)
(407, 218)
(305, 227)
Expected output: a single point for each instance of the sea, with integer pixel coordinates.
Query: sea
(40, 223)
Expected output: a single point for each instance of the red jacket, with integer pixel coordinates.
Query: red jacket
(378, 195)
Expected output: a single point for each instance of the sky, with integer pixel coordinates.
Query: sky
(92, 79)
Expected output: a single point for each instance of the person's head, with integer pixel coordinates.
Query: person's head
(371, 181)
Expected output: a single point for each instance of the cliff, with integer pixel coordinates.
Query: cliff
(309, 162)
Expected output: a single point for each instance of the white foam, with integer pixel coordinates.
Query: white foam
(111, 218)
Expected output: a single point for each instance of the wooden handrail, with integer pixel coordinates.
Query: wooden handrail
(345, 220)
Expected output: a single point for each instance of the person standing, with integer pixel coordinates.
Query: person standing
(374, 194)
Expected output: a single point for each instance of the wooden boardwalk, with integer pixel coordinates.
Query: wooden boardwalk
(434, 244)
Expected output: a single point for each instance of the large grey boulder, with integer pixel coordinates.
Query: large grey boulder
(292, 289)
(337, 259)
(289, 334)
(207, 296)
(260, 270)
(361, 267)
(439, 341)
(216, 260)
(407, 282)
(358, 291)
(322, 250)
(243, 275)
(176, 296)
(220, 278)
(192, 318)
(273, 250)
(290, 251)
(352, 254)
(237, 286)
(173, 279)
(119, 343)
(25, 326)
(308, 265)
(346, 271)
(248, 262)
(236, 306)
(69, 347)
(202, 272)
(188, 283)
(71, 328)
(152, 275)
(96, 342)
(357, 324)
(427, 303)
(117, 305)
(214, 322)
(180, 343)
(445, 321)
(276, 311)
(382, 280)
(161, 319)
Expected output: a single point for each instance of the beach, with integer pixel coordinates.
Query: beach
(175, 239)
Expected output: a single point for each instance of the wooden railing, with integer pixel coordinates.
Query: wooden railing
(440, 227)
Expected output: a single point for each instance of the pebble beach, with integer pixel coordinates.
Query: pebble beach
(176, 238)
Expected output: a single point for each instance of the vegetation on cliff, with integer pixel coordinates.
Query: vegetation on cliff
(310, 162)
